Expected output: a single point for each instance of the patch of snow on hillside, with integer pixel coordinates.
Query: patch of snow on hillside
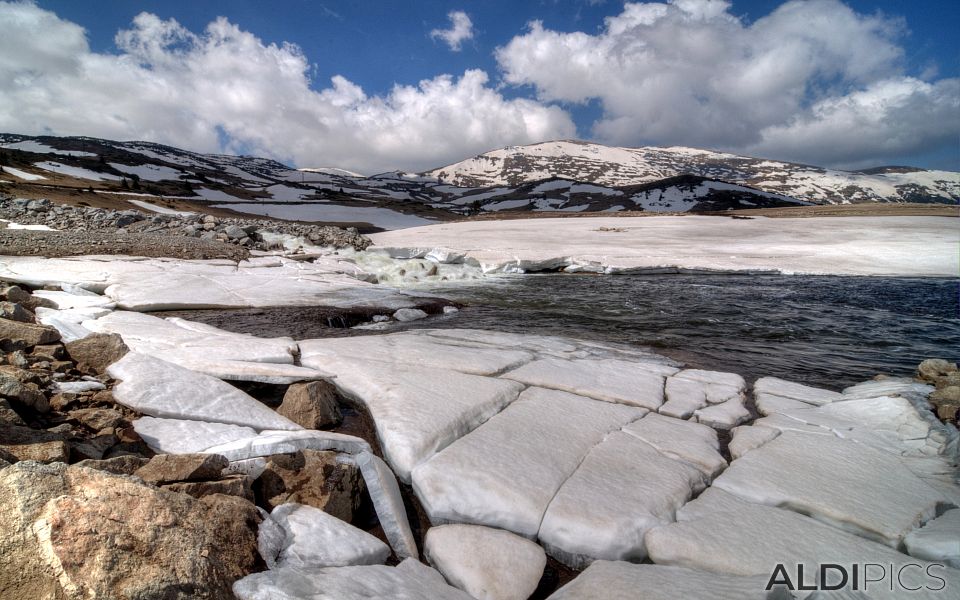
(589, 188)
(77, 172)
(671, 199)
(506, 204)
(34, 146)
(287, 193)
(332, 171)
(217, 195)
(557, 184)
(22, 174)
(332, 213)
(162, 210)
(149, 172)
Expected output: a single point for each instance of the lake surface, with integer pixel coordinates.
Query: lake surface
(824, 331)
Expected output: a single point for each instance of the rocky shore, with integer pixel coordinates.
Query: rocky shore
(152, 456)
(259, 234)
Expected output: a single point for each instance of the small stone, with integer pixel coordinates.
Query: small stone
(8, 415)
(168, 468)
(933, 368)
(18, 359)
(409, 314)
(96, 352)
(98, 418)
(23, 443)
(232, 485)
(50, 352)
(59, 402)
(120, 465)
(15, 312)
(314, 478)
(14, 293)
(234, 233)
(28, 333)
(312, 405)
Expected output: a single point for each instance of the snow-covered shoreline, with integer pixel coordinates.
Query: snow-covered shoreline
(876, 246)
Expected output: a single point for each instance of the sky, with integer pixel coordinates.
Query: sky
(373, 86)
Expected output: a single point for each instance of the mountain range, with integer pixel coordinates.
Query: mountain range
(566, 176)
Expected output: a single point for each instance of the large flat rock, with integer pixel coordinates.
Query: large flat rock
(505, 473)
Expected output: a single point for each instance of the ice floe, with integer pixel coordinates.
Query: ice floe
(683, 440)
(408, 580)
(297, 535)
(387, 501)
(621, 489)
(816, 476)
(608, 580)
(488, 564)
(160, 389)
(938, 540)
(849, 246)
(178, 436)
(504, 473)
(634, 383)
(722, 534)
(207, 349)
(150, 284)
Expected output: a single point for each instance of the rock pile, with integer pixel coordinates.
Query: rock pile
(88, 510)
(260, 234)
(945, 376)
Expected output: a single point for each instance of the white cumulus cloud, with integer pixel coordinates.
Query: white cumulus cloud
(225, 90)
(812, 81)
(461, 29)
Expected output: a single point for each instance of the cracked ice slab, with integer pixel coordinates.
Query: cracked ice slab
(694, 443)
(269, 442)
(388, 503)
(177, 436)
(488, 564)
(609, 580)
(408, 580)
(505, 473)
(296, 535)
(625, 382)
(161, 389)
(398, 349)
(148, 284)
(207, 349)
(417, 411)
(795, 391)
(722, 534)
(692, 389)
(623, 488)
(938, 540)
(849, 246)
(846, 484)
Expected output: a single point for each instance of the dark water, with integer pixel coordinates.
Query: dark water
(825, 331)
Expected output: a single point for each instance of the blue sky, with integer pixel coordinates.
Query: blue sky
(847, 84)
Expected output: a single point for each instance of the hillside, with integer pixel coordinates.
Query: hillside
(566, 177)
(619, 167)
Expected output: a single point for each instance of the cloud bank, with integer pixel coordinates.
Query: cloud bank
(225, 90)
(812, 81)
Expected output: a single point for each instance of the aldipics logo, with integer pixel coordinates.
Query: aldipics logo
(863, 577)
